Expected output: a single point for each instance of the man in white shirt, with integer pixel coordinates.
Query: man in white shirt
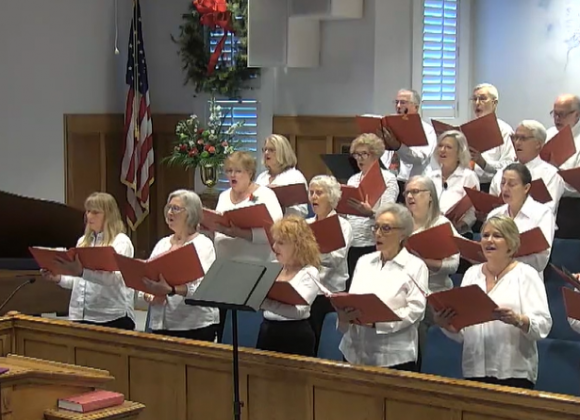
(408, 161)
(484, 101)
(566, 111)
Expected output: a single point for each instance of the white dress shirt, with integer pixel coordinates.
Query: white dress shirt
(101, 296)
(174, 314)
(500, 350)
(574, 324)
(413, 160)
(532, 215)
(539, 169)
(397, 284)
(259, 249)
(362, 226)
(288, 177)
(305, 283)
(334, 265)
(573, 161)
(440, 280)
(452, 190)
(498, 157)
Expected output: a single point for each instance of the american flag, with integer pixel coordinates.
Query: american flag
(138, 160)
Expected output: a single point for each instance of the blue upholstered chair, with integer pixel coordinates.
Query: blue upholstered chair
(330, 339)
(442, 355)
(559, 366)
(248, 328)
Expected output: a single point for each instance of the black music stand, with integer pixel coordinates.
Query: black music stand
(342, 165)
(237, 285)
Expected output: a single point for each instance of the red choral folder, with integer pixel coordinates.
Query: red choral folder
(441, 127)
(284, 292)
(91, 401)
(571, 303)
(482, 133)
(567, 275)
(483, 202)
(560, 148)
(371, 307)
(407, 128)
(532, 242)
(290, 195)
(372, 186)
(456, 213)
(471, 305)
(539, 192)
(328, 234)
(250, 217)
(435, 243)
(469, 250)
(178, 267)
(98, 258)
(571, 177)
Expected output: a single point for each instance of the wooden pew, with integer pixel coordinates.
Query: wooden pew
(180, 379)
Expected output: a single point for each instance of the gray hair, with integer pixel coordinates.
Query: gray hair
(491, 89)
(537, 128)
(402, 215)
(463, 153)
(415, 96)
(576, 103)
(192, 205)
(331, 186)
(434, 209)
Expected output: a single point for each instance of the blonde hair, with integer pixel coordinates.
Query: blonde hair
(463, 154)
(243, 160)
(285, 156)
(375, 145)
(112, 222)
(295, 230)
(508, 229)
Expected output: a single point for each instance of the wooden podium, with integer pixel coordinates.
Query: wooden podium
(31, 387)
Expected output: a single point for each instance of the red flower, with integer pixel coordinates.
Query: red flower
(183, 147)
(200, 131)
(200, 141)
(211, 149)
(193, 152)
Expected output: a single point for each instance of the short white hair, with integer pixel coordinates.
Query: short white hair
(491, 89)
(330, 186)
(191, 204)
(402, 216)
(537, 129)
(415, 96)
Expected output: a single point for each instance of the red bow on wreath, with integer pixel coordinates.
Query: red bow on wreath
(214, 13)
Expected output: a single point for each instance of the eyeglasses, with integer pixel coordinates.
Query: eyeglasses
(173, 209)
(560, 115)
(413, 192)
(233, 171)
(384, 229)
(268, 149)
(360, 155)
(515, 137)
(401, 102)
(482, 99)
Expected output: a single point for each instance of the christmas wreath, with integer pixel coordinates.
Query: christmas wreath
(209, 71)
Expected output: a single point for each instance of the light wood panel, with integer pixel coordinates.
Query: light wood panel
(182, 379)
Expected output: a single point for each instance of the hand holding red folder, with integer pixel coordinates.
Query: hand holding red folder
(560, 148)
(370, 189)
(290, 195)
(328, 234)
(571, 177)
(568, 276)
(406, 128)
(371, 308)
(435, 243)
(250, 217)
(284, 292)
(483, 202)
(98, 258)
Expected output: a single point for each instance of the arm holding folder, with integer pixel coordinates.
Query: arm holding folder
(547, 225)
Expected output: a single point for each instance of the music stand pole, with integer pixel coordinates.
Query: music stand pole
(236, 367)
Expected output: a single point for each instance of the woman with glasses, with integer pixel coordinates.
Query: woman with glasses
(400, 280)
(367, 149)
(168, 313)
(280, 162)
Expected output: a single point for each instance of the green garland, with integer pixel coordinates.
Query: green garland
(226, 80)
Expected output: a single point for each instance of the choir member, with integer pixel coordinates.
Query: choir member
(528, 141)
(168, 313)
(503, 351)
(408, 161)
(485, 99)
(98, 297)
(367, 149)
(280, 162)
(453, 174)
(324, 194)
(286, 328)
(400, 280)
(525, 211)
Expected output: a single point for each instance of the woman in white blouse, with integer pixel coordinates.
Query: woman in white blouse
(168, 313)
(400, 280)
(99, 297)
(367, 149)
(286, 328)
(280, 162)
(504, 351)
(324, 193)
(525, 211)
(454, 173)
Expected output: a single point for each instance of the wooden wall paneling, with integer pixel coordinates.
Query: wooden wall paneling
(308, 150)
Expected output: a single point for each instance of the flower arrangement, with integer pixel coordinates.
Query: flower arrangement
(209, 146)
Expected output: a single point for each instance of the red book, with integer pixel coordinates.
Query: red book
(567, 275)
(456, 213)
(91, 401)
(482, 133)
(328, 234)
(284, 292)
(290, 195)
(532, 242)
(571, 303)
(407, 128)
(483, 202)
(371, 187)
(250, 217)
(98, 258)
(560, 148)
(469, 250)
(371, 307)
(539, 192)
(571, 177)
(441, 127)
(45, 258)
(436, 243)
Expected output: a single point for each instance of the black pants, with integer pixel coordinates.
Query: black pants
(401, 196)
(408, 367)
(354, 253)
(513, 382)
(201, 334)
(567, 218)
(291, 337)
(320, 307)
(124, 323)
(221, 325)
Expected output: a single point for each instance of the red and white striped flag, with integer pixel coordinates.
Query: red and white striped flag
(138, 158)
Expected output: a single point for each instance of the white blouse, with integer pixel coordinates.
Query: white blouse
(398, 283)
(498, 157)
(573, 161)
(305, 283)
(174, 314)
(452, 191)
(500, 350)
(101, 296)
(362, 226)
(440, 280)
(334, 265)
(532, 215)
(259, 249)
(539, 169)
(288, 177)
